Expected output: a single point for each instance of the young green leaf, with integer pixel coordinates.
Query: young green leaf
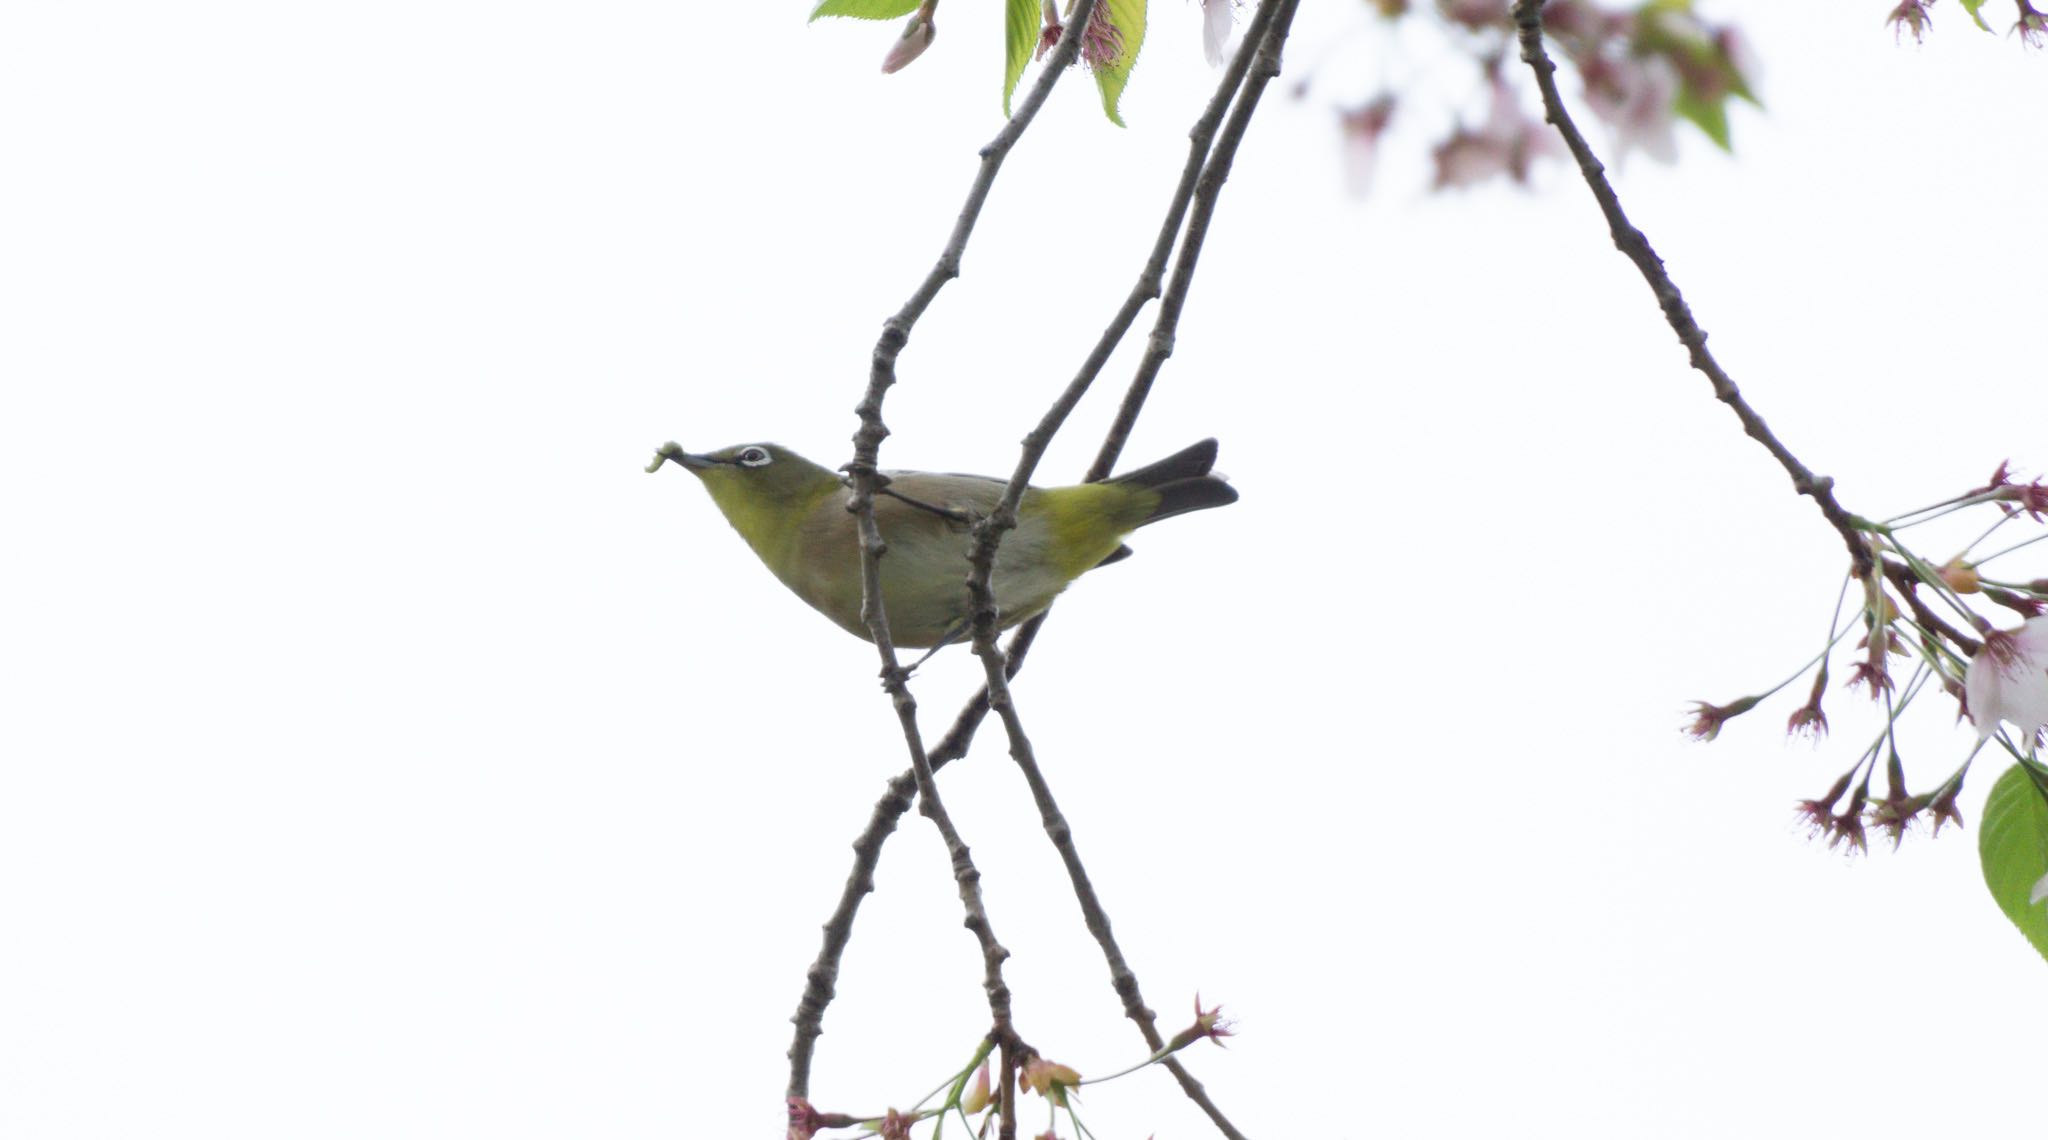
(2013, 846)
(865, 9)
(1020, 36)
(1708, 114)
(1971, 7)
(1128, 17)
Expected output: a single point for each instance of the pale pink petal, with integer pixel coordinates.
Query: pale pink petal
(2008, 680)
(1638, 99)
(1217, 17)
(1362, 127)
(1470, 157)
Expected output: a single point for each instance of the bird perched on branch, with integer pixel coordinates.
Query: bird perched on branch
(794, 514)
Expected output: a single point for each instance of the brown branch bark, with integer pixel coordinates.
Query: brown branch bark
(1263, 48)
(867, 480)
(1902, 576)
(1202, 139)
(1203, 174)
(1636, 247)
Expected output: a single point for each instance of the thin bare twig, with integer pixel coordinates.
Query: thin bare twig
(1201, 140)
(820, 981)
(895, 801)
(896, 681)
(1265, 44)
(1201, 177)
(867, 480)
(821, 978)
(867, 442)
(1631, 242)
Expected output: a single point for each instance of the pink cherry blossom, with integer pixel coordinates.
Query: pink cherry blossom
(2008, 680)
(1217, 17)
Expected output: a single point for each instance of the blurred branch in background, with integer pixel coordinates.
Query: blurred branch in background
(1643, 70)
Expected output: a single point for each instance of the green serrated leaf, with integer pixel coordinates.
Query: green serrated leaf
(1020, 36)
(1110, 78)
(2013, 846)
(1971, 7)
(1709, 115)
(865, 9)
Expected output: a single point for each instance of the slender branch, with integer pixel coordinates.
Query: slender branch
(1631, 242)
(1201, 177)
(1006, 1093)
(895, 680)
(820, 980)
(1166, 324)
(953, 745)
(824, 971)
(867, 480)
(819, 983)
(1272, 23)
(896, 330)
(1201, 140)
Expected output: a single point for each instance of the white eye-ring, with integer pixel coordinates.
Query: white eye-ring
(755, 457)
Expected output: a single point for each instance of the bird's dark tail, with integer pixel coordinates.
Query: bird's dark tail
(1183, 482)
(1186, 463)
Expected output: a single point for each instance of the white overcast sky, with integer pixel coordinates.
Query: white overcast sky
(386, 755)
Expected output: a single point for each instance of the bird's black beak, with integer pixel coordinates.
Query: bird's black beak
(673, 452)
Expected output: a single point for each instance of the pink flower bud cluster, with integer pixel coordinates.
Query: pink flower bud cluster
(1639, 66)
(1925, 613)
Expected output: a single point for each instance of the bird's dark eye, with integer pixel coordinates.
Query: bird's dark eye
(755, 457)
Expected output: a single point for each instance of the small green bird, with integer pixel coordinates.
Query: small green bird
(793, 513)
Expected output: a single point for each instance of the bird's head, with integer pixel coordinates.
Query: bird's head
(753, 483)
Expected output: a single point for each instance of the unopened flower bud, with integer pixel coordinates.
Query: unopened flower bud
(2022, 604)
(917, 36)
(1960, 576)
(977, 1096)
